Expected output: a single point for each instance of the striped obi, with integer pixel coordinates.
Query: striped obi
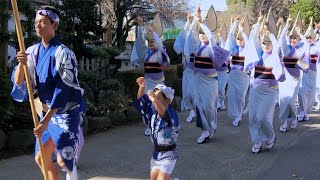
(192, 57)
(263, 72)
(237, 60)
(314, 58)
(203, 62)
(152, 67)
(290, 62)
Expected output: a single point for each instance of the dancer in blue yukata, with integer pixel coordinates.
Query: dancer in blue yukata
(154, 56)
(307, 89)
(208, 56)
(53, 72)
(164, 124)
(295, 59)
(188, 70)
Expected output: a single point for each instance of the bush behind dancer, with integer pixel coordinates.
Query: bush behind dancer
(154, 56)
(294, 60)
(53, 72)
(188, 70)
(309, 78)
(164, 125)
(207, 57)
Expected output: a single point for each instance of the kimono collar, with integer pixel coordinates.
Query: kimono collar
(206, 43)
(53, 41)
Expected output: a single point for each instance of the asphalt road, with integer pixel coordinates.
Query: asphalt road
(124, 153)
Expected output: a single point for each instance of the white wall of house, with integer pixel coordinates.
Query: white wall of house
(11, 27)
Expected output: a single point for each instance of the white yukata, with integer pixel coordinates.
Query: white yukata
(294, 59)
(188, 69)
(238, 80)
(207, 57)
(154, 61)
(264, 94)
(308, 83)
(222, 80)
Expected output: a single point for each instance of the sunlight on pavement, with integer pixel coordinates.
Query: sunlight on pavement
(110, 178)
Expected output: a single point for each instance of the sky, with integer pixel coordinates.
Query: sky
(219, 5)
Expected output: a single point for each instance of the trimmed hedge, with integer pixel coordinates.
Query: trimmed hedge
(174, 57)
(129, 78)
(6, 101)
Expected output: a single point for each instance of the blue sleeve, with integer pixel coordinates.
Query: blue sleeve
(18, 93)
(144, 106)
(67, 93)
(174, 117)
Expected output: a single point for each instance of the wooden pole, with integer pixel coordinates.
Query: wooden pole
(29, 87)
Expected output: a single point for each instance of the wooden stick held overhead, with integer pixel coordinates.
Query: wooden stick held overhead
(28, 81)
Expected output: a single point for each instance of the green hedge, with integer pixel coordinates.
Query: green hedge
(129, 79)
(6, 102)
(174, 57)
(13, 115)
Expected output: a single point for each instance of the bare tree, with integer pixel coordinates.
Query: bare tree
(279, 8)
(121, 14)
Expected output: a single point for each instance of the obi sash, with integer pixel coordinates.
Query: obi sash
(152, 67)
(290, 62)
(262, 72)
(237, 60)
(192, 57)
(203, 62)
(314, 58)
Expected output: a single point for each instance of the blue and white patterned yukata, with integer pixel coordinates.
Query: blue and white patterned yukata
(164, 131)
(53, 72)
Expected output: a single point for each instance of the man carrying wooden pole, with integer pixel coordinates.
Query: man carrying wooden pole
(54, 93)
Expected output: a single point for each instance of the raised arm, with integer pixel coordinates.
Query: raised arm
(142, 86)
(180, 40)
(191, 41)
(283, 39)
(140, 47)
(231, 41)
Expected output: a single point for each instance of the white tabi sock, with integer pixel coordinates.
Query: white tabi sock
(72, 175)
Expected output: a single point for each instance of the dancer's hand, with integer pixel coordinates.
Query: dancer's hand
(141, 82)
(139, 21)
(289, 20)
(237, 19)
(260, 17)
(41, 128)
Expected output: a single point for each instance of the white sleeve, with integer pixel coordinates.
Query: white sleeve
(179, 42)
(139, 48)
(209, 34)
(231, 41)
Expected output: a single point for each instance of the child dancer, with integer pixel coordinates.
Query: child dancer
(164, 125)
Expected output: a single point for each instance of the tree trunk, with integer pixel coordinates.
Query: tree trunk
(4, 41)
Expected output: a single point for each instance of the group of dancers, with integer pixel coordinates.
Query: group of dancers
(279, 66)
(267, 61)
